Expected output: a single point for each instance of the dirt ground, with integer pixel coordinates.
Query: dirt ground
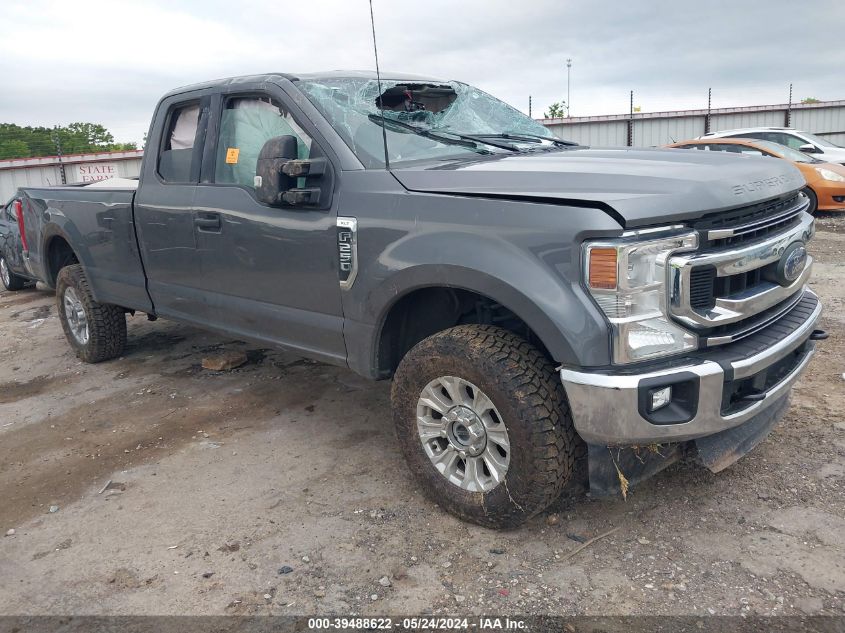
(279, 488)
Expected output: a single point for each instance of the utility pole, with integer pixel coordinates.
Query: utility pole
(788, 118)
(59, 154)
(631, 122)
(707, 118)
(568, 73)
(529, 106)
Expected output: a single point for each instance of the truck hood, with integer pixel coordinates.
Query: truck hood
(638, 187)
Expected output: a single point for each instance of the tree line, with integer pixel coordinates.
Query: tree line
(76, 138)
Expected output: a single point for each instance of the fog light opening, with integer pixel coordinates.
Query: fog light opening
(659, 398)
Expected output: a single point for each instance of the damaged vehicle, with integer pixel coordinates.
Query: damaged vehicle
(534, 302)
(13, 271)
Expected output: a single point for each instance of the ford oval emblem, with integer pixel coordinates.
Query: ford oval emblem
(791, 264)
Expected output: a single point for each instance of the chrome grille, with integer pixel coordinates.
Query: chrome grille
(751, 223)
(724, 292)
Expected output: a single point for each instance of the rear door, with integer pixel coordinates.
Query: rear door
(269, 272)
(164, 207)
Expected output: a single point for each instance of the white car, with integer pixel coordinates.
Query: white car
(796, 139)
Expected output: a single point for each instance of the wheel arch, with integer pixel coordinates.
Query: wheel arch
(813, 196)
(57, 253)
(436, 297)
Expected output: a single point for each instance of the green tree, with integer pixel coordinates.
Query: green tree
(810, 100)
(556, 111)
(13, 148)
(76, 138)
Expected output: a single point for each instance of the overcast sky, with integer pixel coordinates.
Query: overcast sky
(108, 62)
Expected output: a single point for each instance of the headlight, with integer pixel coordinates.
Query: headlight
(830, 175)
(628, 279)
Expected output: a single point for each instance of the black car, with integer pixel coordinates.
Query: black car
(13, 269)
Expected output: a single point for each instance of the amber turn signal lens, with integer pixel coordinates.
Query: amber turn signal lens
(603, 268)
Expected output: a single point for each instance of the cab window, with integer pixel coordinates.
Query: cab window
(176, 158)
(246, 123)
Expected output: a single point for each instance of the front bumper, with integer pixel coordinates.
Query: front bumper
(606, 406)
(831, 196)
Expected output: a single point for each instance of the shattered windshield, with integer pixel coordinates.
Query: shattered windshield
(422, 120)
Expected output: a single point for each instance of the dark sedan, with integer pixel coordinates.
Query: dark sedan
(13, 270)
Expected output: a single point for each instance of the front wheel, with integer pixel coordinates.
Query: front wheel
(10, 280)
(814, 200)
(95, 331)
(484, 425)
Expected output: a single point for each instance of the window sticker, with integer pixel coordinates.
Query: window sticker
(232, 155)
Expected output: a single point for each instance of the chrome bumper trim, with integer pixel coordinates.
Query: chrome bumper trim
(605, 407)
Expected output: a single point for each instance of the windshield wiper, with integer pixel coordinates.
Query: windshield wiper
(520, 138)
(485, 138)
(536, 137)
(447, 140)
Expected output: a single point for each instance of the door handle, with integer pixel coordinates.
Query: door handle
(208, 222)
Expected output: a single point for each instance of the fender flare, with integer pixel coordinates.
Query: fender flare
(567, 328)
(51, 231)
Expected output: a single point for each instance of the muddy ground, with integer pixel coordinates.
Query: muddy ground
(279, 488)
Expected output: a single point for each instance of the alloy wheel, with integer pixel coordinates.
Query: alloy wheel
(463, 434)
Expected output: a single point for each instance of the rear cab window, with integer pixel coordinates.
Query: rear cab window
(178, 153)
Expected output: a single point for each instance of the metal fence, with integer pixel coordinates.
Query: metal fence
(649, 129)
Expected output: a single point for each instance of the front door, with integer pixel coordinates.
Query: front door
(269, 272)
(164, 209)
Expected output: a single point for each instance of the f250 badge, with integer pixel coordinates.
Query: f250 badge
(347, 251)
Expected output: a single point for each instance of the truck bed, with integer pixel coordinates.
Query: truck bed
(98, 222)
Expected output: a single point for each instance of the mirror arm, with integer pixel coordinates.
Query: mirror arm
(297, 197)
(302, 168)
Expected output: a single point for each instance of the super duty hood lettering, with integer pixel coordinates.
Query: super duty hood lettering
(642, 186)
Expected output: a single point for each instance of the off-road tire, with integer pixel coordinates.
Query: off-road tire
(525, 389)
(106, 322)
(814, 200)
(15, 282)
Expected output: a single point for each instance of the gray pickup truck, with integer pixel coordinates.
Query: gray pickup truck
(537, 304)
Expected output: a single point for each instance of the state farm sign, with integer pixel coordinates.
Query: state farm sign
(95, 171)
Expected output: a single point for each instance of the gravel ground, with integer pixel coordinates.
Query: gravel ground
(278, 488)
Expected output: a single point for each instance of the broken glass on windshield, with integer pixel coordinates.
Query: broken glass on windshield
(420, 120)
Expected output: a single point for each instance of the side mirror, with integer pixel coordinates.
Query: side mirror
(809, 148)
(270, 181)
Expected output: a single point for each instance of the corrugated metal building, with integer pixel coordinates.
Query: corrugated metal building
(47, 170)
(648, 129)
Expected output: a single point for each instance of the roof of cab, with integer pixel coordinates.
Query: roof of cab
(317, 76)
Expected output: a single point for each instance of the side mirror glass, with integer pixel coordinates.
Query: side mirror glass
(270, 181)
(809, 148)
